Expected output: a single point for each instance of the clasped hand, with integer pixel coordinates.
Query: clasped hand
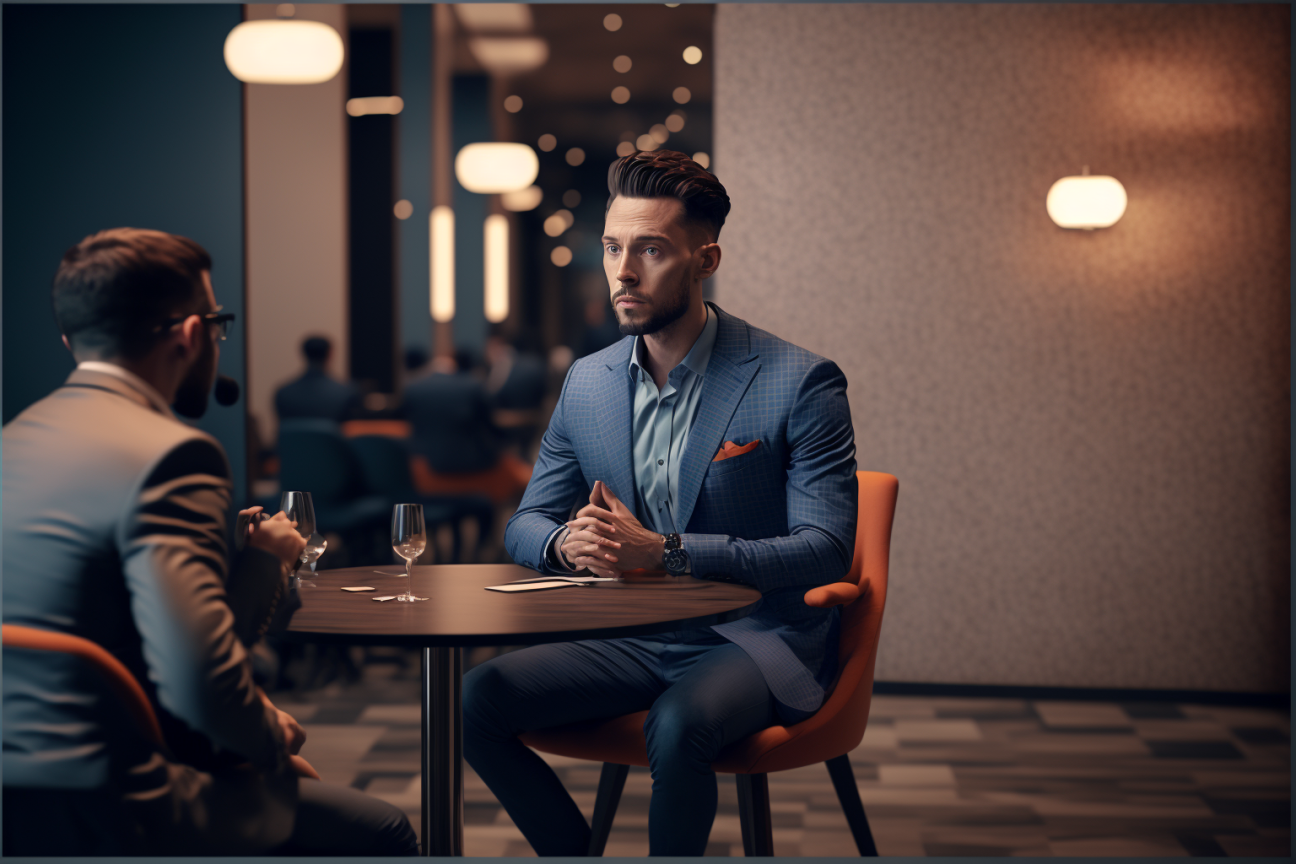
(606, 537)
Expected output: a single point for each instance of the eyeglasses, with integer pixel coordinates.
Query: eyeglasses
(222, 320)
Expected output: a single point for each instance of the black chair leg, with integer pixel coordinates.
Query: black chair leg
(843, 779)
(754, 815)
(611, 782)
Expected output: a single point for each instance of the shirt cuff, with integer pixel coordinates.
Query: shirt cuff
(552, 553)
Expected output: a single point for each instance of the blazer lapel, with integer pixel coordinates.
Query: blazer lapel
(728, 376)
(617, 425)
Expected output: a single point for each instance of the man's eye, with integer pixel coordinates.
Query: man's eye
(650, 250)
(612, 250)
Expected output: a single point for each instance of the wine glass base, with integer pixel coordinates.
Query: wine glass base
(409, 598)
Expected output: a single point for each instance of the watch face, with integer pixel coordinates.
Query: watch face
(676, 561)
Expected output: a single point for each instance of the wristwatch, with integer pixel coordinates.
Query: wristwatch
(675, 560)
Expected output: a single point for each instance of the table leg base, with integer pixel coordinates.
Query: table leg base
(442, 759)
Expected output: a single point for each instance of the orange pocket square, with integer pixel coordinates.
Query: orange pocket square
(730, 450)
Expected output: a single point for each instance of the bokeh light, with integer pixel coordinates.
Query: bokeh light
(553, 226)
(612, 22)
(682, 95)
(622, 63)
(403, 209)
(547, 142)
(571, 198)
(513, 104)
(523, 199)
(621, 95)
(675, 122)
(625, 148)
(659, 133)
(702, 159)
(561, 256)
(575, 156)
(692, 55)
(646, 142)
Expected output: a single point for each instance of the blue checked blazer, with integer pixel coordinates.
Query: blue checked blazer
(780, 517)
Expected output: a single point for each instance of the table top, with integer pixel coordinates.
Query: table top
(460, 612)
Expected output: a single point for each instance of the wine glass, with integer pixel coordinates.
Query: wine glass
(301, 509)
(409, 539)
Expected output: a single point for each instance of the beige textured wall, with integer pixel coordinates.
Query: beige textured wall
(1090, 428)
(296, 223)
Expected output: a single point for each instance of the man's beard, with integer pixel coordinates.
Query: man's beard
(191, 397)
(673, 310)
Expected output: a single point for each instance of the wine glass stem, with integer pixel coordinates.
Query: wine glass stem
(409, 577)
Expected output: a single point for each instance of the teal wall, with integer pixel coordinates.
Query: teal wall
(117, 115)
(414, 177)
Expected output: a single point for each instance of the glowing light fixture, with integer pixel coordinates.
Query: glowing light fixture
(1087, 201)
(489, 168)
(523, 199)
(494, 17)
(366, 105)
(496, 273)
(441, 231)
(283, 52)
(509, 55)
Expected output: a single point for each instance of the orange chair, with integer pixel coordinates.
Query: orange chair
(118, 677)
(828, 736)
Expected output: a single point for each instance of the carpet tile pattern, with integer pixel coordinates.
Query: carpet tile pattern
(938, 777)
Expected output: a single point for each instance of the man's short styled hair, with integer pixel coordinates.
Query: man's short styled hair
(669, 174)
(114, 289)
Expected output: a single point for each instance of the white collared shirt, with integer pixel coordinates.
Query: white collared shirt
(147, 390)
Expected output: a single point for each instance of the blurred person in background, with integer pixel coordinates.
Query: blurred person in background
(517, 384)
(116, 531)
(317, 394)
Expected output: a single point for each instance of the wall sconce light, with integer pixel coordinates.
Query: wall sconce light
(441, 234)
(283, 52)
(497, 270)
(1086, 201)
(493, 168)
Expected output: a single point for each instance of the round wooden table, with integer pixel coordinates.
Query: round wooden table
(459, 612)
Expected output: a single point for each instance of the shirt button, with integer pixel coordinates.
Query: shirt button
(661, 461)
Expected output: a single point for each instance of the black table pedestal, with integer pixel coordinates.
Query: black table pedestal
(442, 752)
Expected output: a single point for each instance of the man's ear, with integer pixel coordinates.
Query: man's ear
(709, 260)
(190, 331)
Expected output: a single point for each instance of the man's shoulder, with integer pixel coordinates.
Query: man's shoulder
(102, 438)
(773, 351)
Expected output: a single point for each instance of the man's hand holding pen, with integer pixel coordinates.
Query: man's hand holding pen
(590, 542)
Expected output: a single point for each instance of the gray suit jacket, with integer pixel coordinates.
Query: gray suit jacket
(114, 530)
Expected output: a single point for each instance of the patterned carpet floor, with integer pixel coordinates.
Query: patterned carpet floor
(938, 776)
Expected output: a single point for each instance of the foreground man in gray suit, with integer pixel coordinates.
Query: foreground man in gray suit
(115, 531)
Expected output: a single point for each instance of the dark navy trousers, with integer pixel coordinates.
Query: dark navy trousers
(701, 691)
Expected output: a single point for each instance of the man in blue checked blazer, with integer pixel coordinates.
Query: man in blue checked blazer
(701, 445)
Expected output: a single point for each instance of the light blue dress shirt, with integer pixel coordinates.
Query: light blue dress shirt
(660, 427)
(660, 424)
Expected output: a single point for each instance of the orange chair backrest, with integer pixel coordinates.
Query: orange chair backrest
(838, 726)
(118, 677)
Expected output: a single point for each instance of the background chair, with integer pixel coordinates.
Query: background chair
(828, 736)
(385, 465)
(315, 458)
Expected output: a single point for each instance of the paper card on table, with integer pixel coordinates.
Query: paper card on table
(360, 588)
(531, 586)
(381, 599)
